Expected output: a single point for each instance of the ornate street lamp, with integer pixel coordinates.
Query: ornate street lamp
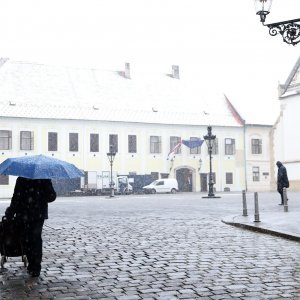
(290, 30)
(111, 156)
(208, 139)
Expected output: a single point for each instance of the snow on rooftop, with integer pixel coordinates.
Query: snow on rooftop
(43, 91)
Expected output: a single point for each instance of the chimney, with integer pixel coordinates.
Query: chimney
(175, 71)
(127, 71)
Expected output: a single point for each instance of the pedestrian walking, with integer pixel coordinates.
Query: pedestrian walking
(282, 180)
(29, 206)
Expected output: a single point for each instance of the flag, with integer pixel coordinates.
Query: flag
(174, 150)
(193, 143)
(189, 143)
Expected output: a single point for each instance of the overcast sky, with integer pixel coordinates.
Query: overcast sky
(221, 42)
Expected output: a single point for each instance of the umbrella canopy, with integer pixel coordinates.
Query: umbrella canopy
(39, 167)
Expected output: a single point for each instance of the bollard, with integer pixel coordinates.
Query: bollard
(256, 212)
(245, 214)
(285, 202)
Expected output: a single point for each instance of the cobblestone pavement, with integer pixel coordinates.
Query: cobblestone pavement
(154, 247)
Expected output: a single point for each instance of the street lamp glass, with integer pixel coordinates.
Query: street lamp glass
(207, 141)
(262, 6)
(111, 155)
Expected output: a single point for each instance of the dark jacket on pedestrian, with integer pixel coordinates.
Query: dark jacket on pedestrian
(282, 178)
(30, 199)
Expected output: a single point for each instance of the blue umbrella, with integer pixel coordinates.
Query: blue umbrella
(39, 167)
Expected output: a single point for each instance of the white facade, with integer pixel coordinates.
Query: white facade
(142, 162)
(286, 133)
(258, 157)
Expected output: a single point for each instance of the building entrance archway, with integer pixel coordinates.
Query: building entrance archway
(185, 177)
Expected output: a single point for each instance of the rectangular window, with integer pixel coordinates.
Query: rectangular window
(73, 142)
(94, 142)
(215, 147)
(255, 173)
(4, 179)
(155, 144)
(256, 146)
(229, 178)
(174, 141)
(113, 141)
(26, 140)
(229, 146)
(131, 143)
(196, 150)
(5, 139)
(52, 141)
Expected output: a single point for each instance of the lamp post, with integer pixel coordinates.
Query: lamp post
(290, 30)
(208, 139)
(111, 156)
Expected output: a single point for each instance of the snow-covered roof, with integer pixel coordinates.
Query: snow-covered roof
(31, 90)
(292, 83)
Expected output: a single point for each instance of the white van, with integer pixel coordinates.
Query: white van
(168, 185)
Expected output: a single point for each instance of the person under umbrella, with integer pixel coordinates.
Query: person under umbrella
(29, 206)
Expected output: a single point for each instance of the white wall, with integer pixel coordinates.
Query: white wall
(291, 129)
(287, 137)
(262, 161)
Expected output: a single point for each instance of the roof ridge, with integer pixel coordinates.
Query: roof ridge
(290, 77)
(234, 112)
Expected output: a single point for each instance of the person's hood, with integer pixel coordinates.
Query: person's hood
(279, 164)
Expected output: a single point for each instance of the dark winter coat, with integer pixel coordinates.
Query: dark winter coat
(30, 199)
(282, 178)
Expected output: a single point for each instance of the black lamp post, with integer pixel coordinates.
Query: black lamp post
(208, 139)
(111, 156)
(290, 30)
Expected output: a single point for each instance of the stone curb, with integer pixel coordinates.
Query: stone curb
(260, 229)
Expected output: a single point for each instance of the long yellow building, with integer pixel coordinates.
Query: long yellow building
(75, 114)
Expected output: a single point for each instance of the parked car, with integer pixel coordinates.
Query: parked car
(168, 185)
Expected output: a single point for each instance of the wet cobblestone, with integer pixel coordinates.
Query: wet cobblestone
(162, 249)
